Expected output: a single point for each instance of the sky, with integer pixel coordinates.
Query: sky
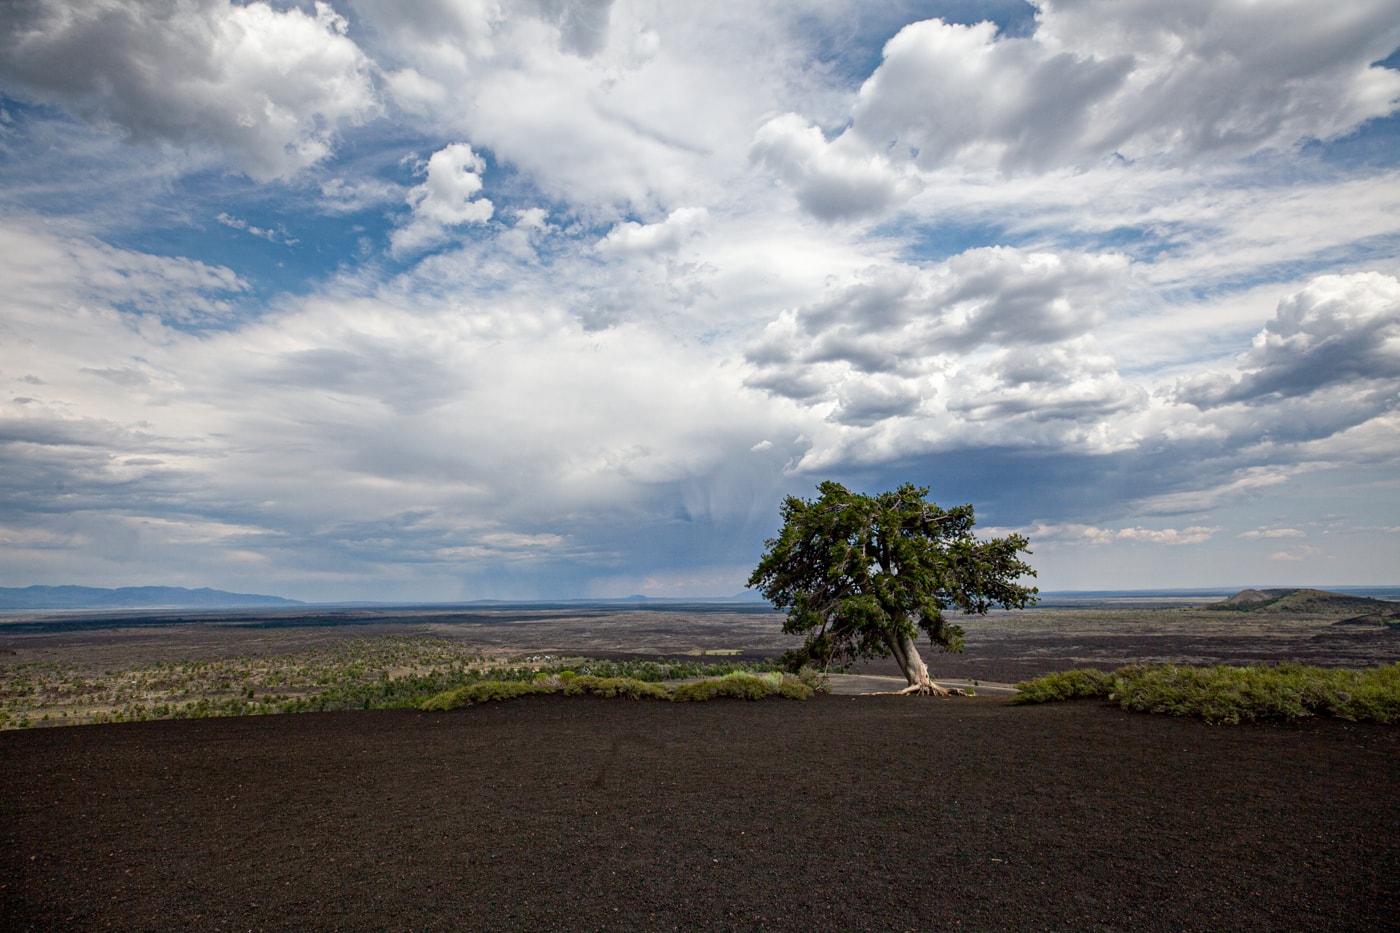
(468, 299)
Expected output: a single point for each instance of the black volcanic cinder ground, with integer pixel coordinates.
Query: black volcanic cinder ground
(551, 813)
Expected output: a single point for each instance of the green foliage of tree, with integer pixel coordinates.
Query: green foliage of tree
(861, 576)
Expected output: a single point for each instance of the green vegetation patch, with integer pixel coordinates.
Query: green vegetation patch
(737, 685)
(1225, 694)
(627, 687)
(485, 691)
(388, 672)
(744, 687)
(1065, 685)
(657, 671)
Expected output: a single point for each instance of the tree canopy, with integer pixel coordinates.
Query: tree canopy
(862, 575)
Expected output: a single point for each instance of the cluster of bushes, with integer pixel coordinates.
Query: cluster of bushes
(792, 686)
(740, 685)
(664, 669)
(1224, 694)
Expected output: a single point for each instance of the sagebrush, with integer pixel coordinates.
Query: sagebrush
(1226, 694)
(736, 685)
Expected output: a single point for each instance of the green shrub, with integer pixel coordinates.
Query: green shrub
(484, 691)
(656, 671)
(1065, 685)
(1216, 694)
(1225, 694)
(738, 686)
(793, 688)
(814, 679)
(626, 687)
(697, 691)
(443, 701)
(1373, 695)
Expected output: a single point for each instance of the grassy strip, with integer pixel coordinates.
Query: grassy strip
(738, 685)
(1223, 694)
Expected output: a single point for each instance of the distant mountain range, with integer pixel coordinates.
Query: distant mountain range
(131, 597)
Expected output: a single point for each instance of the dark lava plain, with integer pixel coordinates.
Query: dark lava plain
(841, 813)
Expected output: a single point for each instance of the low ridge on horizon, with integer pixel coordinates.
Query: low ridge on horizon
(72, 596)
(132, 597)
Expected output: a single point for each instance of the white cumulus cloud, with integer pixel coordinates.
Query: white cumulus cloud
(666, 236)
(1003, 331)
(833, 180)
(1095, 81)
(446, 200)
(267, 88)
(1099, 77)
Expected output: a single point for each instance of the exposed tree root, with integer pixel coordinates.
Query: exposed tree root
(930, 689)
(922, 690)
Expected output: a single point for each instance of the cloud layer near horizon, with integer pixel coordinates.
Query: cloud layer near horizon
(561, 298)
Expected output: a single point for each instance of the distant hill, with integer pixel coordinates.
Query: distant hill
(1304, 602)
(130, 597)
(1251, 599)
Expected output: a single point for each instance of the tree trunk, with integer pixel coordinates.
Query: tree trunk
(915, 671)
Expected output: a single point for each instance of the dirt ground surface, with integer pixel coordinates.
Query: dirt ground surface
(840, 813)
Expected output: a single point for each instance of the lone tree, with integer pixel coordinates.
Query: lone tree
(861, 576)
